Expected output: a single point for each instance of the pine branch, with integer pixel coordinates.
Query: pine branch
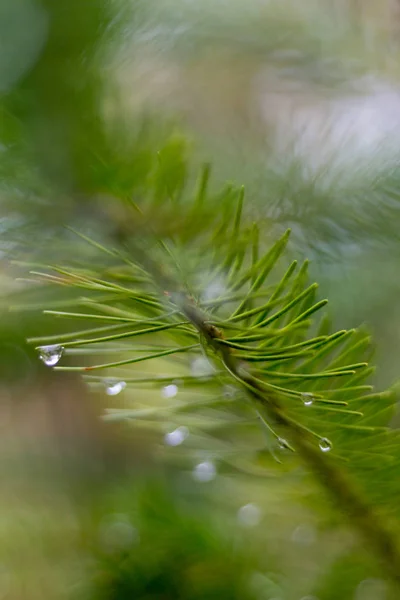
(205, 294)
(338, 485)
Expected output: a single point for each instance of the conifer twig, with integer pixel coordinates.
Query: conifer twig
(371, 525)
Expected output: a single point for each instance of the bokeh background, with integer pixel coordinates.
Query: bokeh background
(298, 101)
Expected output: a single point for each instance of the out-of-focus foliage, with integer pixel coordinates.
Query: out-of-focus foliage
(23, 33)
(170, 555)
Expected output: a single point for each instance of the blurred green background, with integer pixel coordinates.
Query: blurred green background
(298, 101)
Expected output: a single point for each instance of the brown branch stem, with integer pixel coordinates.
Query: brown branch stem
(337, 483)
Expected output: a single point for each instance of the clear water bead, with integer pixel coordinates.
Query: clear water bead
(214, 290)
(204, 471)
(325, 445)
(307, 398)
(304, 535)
(50, 355)
(170, 391)
(114, 386)
(201, 367)
(283, 444)
(249, 515)
(117, 533)
(229, 391)
(176, 437)
(242, 371)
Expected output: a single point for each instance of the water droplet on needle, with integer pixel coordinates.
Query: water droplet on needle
(204, 471)
(114, 386)
(176, 437)
(50, 355)
(249, 515)
(201, 367)
(170, 391)
(307, 398)
(325, 445)
(283, 444)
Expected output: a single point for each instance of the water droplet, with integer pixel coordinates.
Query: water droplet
(176, 437)
(201, 367)
(229, 391)
(249, 515)
(114, 386)
(304, 535)
(170, 391)
(50, 355)
(325, 444)
(242, 371)
(282, 443)
(117, 533)
(204, 471)
(213, 291)
(307, 398)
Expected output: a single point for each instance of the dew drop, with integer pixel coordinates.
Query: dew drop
(282, 443)
(325, 445)
(50, 355)
(229, 391)
(201, 367)
(176, 437)
(114, 386)
(213, 291)
(304, 535)
(170, 391)
(249, 515)
(117, 533)
(242, 371)
(307, 398)
(204, 471)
